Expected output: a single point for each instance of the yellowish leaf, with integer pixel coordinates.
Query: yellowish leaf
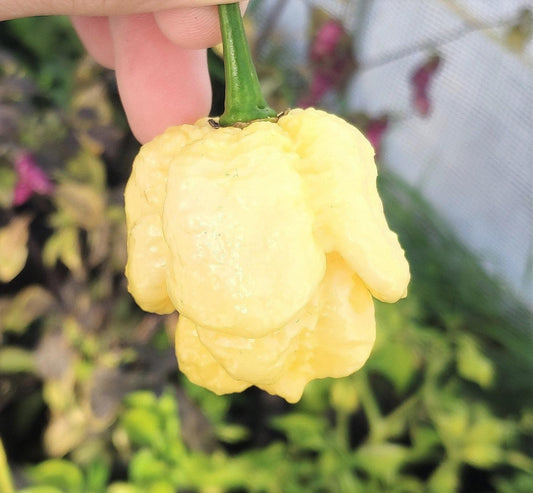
(81, 203)
(8, 177)
(472, 364)
(13, 247)
(92, 111)
(65, 432)
(16, 360)
(29, 304)
(482, 455)
(90, 93)
(99, 243)
(344, 395)
(64, 245)
(87, 168)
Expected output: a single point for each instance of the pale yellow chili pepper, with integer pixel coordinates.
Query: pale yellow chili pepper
(270, 241)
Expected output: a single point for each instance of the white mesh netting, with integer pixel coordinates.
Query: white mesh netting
(472, 157)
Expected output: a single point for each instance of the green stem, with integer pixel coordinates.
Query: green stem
(342, 430)
(244, 99)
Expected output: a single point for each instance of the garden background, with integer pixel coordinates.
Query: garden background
(91, 399)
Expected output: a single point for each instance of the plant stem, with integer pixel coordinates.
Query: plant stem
(244, 100)
(371, 408)
(342, 430)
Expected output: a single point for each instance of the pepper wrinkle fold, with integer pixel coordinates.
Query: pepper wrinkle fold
(270, 241)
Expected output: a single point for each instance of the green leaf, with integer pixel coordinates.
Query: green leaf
(8, 179)
(50, 48)
(44, 36)
(232, 433)
(97, 475)
(143, 428)
(482, 455)
(58, 473)
(519, 483)
(145, 468)
(302, 430)
(41, 489)
(215, 407)
(486, 438)
(472, 364)
(452, 423)
(445, 478)
(316, 396)
(142, 399)
(121, 487)
(396, 362)
(88, 169)
(168, 407)
(162, 487)
(381, 460)
(16, 360)
(488, 429)
(64, 245)
(519, 461)
(425, 439)
(344, 396)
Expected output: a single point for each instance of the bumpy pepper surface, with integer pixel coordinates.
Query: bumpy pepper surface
(270, 241)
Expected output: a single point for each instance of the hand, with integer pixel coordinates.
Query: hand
(156, 47)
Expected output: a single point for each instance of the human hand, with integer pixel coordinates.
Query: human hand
(156, 47)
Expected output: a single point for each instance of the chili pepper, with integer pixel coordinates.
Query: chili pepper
(269, 239)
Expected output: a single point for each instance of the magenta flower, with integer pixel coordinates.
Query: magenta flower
(327, 40)
(30, 179)
(421, 83)
(375, 131)
(332, 61)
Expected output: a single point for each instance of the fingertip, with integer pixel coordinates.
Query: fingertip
(160, 84)
(95, 34)
(192, 28)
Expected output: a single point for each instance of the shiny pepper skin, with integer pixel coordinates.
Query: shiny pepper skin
(270, 241)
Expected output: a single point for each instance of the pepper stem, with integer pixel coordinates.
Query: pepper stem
(244, 100)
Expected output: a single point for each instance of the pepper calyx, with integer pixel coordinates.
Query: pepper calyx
(244, 100)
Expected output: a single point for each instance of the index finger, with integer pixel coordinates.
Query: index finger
(11, 9)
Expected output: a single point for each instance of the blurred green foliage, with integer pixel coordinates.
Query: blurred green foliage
(90, 396)
(47, 49)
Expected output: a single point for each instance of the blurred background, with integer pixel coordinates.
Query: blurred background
(91, 399)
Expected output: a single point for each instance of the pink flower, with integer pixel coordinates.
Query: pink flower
(332, 61)
(31, 179)
(375, 130)
(421, 82)
(327, 40)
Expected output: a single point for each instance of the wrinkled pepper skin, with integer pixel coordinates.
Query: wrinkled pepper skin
(270, 241)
